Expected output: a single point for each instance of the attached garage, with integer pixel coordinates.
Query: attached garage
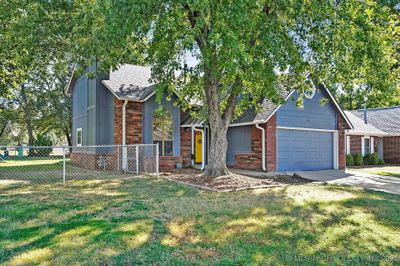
(304, 150)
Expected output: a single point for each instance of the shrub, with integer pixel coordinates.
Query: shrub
(41, 141)
(358, 159)
(371, 159)
(367, 159)
(374, 159)
(381, 162)
(349, 160)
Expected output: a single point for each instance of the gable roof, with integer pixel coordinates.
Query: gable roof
(361, 128)
(386, 119)
(269, 108)
(131, 82)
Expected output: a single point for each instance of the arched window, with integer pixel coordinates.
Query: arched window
(163, 131)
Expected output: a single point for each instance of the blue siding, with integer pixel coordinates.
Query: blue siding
(92, 110)
(79, 109)
(149, 106)
(105, 114)
(239, 140)
(314, 115)
(300, 150)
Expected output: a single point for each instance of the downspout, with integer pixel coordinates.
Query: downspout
(263, 145)
(124, 153)
(203, 146)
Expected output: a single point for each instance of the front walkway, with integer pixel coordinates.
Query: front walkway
(353, 178)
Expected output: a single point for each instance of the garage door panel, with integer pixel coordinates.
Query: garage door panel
(300, 150)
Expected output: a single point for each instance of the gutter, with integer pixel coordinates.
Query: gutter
(263, 145)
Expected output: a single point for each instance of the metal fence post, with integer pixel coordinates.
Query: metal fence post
(118, 162)
(157, 161)
(137, 159)
(64, 164)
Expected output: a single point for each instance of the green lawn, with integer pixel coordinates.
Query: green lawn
(48, 170)
(387, 173)
(386, 170)
(155, 221)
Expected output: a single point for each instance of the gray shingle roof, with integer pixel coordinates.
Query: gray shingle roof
(130, 82)
(386, 119)
(267, 108)
(360, 127)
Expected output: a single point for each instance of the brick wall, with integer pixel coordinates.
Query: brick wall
(134, 124)
(253, 159)
(90, 161)
(169, 162)
(355, 144)
(186, 146)
(271, 144)
(391, 149)
(341, 143)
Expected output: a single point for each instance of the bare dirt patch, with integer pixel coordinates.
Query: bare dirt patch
(231, 182)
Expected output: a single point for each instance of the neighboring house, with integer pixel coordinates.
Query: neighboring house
(375, 130)
(279, 138)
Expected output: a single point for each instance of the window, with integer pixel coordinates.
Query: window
(163, 131)
(367, 146)
(79, 137)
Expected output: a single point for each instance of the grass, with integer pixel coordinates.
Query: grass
(154, 221)
(387, 173)
(387, 170)
(47, 170)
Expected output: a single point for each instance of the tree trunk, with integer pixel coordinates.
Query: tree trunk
(68, 135)
(27, 115)
(218, 128)
(3, 129)
(218, 148)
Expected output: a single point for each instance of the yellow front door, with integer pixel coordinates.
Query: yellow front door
(198, 151)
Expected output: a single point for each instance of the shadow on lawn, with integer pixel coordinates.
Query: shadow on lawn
(153, 221)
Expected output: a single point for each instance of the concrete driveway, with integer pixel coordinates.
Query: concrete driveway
(353, 178)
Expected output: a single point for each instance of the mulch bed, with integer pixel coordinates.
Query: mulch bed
(231, 182)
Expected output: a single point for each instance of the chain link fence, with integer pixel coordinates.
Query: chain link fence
(63, 163)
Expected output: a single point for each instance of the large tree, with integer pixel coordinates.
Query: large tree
(243, 48)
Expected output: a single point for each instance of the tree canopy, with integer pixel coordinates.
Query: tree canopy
(244, 49)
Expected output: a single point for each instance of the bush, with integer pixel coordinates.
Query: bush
(41, 141)
(358, 159)
(371, 159)
(381, 162)
(374, 159)
(349, 160)
(367, 159)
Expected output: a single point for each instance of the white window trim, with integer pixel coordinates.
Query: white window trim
(363, 145)
(77, 132)
(348, 150)
(371, 145)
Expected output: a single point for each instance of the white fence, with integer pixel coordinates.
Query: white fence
(63, 163)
